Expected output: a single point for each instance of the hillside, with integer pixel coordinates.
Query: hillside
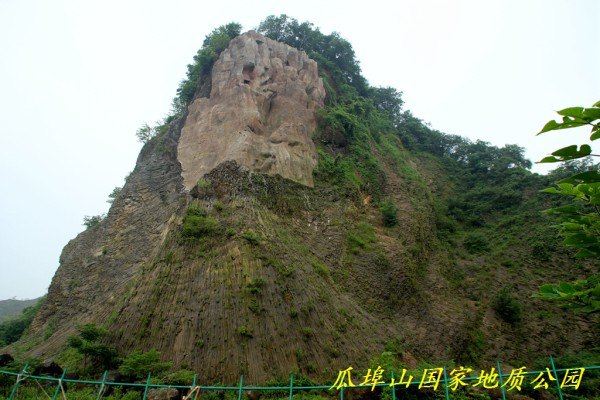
(288, 217)
(13, 307)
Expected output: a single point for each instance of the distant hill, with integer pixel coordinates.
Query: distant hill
(12, 307)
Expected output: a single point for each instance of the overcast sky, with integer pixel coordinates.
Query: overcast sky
(77, 78)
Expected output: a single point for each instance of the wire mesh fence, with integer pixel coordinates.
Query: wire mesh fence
(23, 385)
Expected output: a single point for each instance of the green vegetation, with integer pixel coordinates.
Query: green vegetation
(579, 219)
(389, 213)
(251, 237)
(361, 237)
(94, 354)
(12, 328)
(476, 242)
(508, 307)
(256, 285)
(197, 223)
(91, 221)
(212, 46)
(138, 364)
(245, 332)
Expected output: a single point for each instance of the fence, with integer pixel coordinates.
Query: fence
(194, 389)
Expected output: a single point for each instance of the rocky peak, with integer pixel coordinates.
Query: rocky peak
(260, 112)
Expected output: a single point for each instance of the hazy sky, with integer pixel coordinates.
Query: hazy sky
(77, 78)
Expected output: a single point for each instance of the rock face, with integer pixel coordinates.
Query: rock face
(260, 113)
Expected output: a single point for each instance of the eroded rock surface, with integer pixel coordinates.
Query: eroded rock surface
(260, 113)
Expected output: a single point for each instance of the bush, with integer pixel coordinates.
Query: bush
(256, 285)
(507, 307)
(361, 237)
(138, 364)
(91, 221)
(389, 213)
(88, 345)
(252, 237)
(197, 223)
(476, 242)
(181, 377)
(245, 331)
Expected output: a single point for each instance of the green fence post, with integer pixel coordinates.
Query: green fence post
(104, 375)
(393, 388)
(17, 383)
(241, 387)
(501, 381)
(193, 388)
(446, 384)
(291, 386)
(59, 385)
(342, 393)
(147, 387)
(560, 395)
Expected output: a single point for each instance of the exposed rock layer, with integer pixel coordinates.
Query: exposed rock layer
(260, 113)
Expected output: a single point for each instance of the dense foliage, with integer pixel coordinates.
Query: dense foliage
(579, 220)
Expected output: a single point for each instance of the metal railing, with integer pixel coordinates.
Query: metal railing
(194, 388)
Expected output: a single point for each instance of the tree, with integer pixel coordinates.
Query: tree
(91, 221)
(579, 221)
(114, 194)
(89, 344)
(145, 133)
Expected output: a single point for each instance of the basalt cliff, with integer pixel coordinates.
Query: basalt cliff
(233, 248)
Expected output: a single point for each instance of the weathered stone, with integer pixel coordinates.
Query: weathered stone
(163, 394)
(260, 113)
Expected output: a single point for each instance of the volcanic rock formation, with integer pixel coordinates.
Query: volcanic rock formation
(260, 113)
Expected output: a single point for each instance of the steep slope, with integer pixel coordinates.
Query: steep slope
(249, 239)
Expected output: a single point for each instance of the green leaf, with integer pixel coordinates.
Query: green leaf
(595, 133)
(572, 112)
(591, 114)
(568, 153)
(583, 177)
(596, 104)
(550, 126)
(548, 159)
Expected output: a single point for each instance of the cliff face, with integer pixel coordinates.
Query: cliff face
(279, 271)
(260, 113)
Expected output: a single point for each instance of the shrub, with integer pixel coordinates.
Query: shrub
(507, 307)
(476, 242)
(307, 332)
(91, 221)
(252, 237)
(88, 343)
(138, 364)
(146, 133)
(230, 232)
(256, 285)
(389, 213)
(244, 331)
(320, 268)
(197, 223)
(180, 377)
(361, 237)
